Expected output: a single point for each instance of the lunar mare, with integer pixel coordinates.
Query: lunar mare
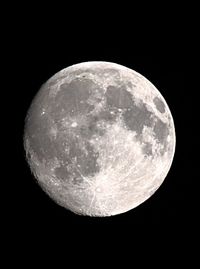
(99, 138)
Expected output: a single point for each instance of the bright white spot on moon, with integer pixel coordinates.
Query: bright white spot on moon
(100, 139)
(98, 189)
(74, 124)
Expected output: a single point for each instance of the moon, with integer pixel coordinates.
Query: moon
(99, 138)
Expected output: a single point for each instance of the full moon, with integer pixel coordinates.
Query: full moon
(99, 138)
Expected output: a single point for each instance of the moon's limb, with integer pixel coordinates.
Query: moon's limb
(99, 138)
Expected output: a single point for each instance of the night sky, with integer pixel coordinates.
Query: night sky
(163, 226)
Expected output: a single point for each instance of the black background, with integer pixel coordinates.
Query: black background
(155, 46)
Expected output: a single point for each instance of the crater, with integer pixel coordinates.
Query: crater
(159, 104)
(77, 179)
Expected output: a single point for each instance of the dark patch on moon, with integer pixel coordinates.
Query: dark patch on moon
(147, 149)
(37, 129)
(159, 104)
(137, 117)
(108, 115)
(118, 97)
(72, 98)
(86, 131)
(81, 158)
(91, 126)
(161, 131)
(62, 172)
(87, 161)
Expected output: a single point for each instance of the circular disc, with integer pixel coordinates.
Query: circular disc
(99, 138)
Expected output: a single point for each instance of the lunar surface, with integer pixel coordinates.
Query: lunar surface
(99, 138)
